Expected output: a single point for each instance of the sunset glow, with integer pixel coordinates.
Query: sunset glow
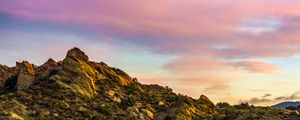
(229, 50)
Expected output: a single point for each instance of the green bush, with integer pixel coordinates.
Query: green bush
(106, 109)
(128, 101)
(129, 91)
(87, 113)
(223, 105)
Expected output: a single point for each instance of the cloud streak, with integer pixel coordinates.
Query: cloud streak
(266, 98)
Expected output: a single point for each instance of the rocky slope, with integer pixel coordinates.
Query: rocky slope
(77, 88)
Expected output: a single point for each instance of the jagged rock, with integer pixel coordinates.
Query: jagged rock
(81, 75)
(112, 73)
(77, 54)
(206, 105)
(204, 100)
(26, 74)
(48, 69)
(50, 64)
(76, 72)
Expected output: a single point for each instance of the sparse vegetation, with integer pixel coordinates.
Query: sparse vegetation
(128, 101)
(106, 109)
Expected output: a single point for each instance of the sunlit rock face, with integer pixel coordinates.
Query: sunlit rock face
(26, 74)
(80, 74)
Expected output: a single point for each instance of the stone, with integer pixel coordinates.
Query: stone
(111, 93)
(117, 99)
(148, 113)
(55, 114)
(204, 100)
(26, 74)
(45, 113)
(160, 103)
(76, 53)
(15, 116)
(81, 108)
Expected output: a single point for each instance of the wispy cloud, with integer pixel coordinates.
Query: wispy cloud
(267, 98)
(295, 96)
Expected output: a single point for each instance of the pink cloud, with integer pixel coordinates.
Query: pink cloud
(256, 66)
(209, 84)
(181, 26)
(205, 35)
(205, 80)
(193, 64)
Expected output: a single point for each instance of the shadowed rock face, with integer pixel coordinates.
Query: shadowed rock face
(76, 88)
(6, 73)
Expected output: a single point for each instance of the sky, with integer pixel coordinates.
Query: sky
(229, 50)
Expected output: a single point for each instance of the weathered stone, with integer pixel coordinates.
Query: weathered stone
(55, 114)
(160, 103)
(26, 74)
(111, 93)
(148, 113)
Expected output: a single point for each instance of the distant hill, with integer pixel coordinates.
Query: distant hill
(286, 104)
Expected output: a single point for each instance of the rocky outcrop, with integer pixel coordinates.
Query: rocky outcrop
(46, 70)
(47, 65)
(78, 73)
(77, 88)
(26, 74)
(205, 104)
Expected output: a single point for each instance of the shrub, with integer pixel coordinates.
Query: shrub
(105, 109)
(129, 91)
(87, 113)
(128, 101)
(223, 105)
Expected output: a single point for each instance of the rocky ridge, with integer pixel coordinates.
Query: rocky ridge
(76, 88)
